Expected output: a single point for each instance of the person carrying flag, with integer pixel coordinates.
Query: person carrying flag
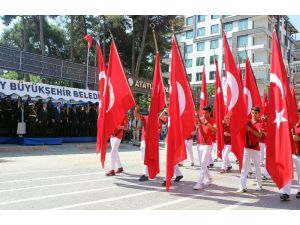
(206, 127)
(226, 166)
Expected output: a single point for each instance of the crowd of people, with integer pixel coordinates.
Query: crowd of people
(254, 151)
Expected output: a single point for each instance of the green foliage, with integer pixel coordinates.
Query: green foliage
(10, 75)
(144, 102)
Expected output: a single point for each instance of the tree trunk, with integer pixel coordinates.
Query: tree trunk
(133, 48)
(72, 39)
(24, 35)
(104, 39)
(42, 40)
(139, 59)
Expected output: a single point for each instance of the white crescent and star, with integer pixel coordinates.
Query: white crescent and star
(274, 79)
(234, 88)
(279, 118)
(181, 98)
(249, 98)
(111, 96)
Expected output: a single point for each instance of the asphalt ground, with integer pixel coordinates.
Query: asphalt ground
(66, 178)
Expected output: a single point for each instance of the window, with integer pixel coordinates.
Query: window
(214, 29)
(212, 75)
(189, 34)
(214, 17)
(243, 25)
(200, 46)
(228, 27)
(201, 31)
(242, 41)
(242, 57)
(198, 76)
(189, 21)
(229, 41)
(269, 27)
(188, 63)
(189, 76)
(212, 59)
(200, 61)
(188, 48)
(214, 44)
(201, 18)
(178, 37)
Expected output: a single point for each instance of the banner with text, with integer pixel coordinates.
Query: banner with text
(45, 91)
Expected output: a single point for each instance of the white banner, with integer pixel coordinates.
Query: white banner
(45, 91)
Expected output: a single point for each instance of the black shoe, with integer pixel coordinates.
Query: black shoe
(180, 164)
(178, 178)
(211, 165)
(284, 197)
(298, 194)
(164, 183)
(143, 178)
(229, 168)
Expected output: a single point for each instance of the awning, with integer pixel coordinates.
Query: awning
(44, 91)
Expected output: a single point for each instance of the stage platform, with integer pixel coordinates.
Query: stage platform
(45, 141)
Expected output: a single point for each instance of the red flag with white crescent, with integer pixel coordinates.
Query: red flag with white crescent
(89, 39)
(280, 144)
(236, 104)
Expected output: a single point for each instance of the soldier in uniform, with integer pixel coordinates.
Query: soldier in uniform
(32, 118)
(115, 140)
(43, 120)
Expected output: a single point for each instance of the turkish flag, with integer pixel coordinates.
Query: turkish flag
(265, 102)
(251, 93)
(158, 102)
(89, 39)
(203, 95)
(101, 84)
(279, 161)
(117, 100)
(181, 114)
(294, 93)
(236, 104)
(219, 112)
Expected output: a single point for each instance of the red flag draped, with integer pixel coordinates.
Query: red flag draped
(158, 102)
(89, 39)
(251, 93)
(101, 84)
(279, 161)
(181, 113)
(219, 112)
(117, 100)
(236, 104)
(294, 94)
(203, 95)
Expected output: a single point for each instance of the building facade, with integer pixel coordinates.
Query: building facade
(201, 41)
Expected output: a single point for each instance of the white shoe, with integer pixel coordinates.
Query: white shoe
(209, 181)
(258, 188)
(242, 190)
(198, 186)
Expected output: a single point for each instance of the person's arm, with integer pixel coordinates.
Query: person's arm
(257, 134)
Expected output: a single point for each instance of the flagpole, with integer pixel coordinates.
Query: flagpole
(87, 69)
(152, 25)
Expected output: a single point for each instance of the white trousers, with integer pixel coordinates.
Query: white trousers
(213, 154)
(143, 146)
(225, 157)
(205, 151)
(115, 161)
(177, 171)
(287, 188)
(136, 136)
(189, 149)
(255, 156)
(262, 147)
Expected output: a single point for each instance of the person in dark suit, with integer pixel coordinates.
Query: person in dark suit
(73, 121)
(84, 122)
(8, 115)
(57, 119)
(43, 120)
(93, 116)
(64, 125)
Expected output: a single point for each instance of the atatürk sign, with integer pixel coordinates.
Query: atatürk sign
(142, 85)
